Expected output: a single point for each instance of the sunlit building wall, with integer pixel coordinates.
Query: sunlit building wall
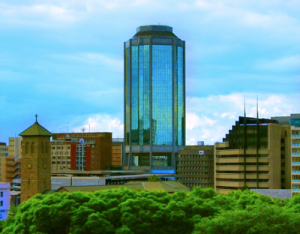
(294, 121)
(154, 99)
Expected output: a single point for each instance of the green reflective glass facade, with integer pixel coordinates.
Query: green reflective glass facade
(162, 102)
(154, 93)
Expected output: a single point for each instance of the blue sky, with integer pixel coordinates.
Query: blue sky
(64, 61)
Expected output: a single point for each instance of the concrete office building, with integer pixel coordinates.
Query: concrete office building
(60, 155)
(255, 154)
(154, 99)
(3, 155)
(11, 165)
(11, 169)
(294, 122)
(14, 147)
(88, 151)
(196, 166)
(118, 151)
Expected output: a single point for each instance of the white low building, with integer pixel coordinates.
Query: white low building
(4, 199)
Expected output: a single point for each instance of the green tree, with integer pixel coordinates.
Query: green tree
(153, 178)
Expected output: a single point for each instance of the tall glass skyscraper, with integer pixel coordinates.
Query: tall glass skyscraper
(154, 99)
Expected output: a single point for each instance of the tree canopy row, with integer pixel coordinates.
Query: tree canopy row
(123, 211)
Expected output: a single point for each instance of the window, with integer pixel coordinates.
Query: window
(1, 194)
(32, 148)
(42, 147)
(1, 203)
(26, 148)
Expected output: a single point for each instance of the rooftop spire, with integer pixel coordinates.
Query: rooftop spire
(257, 106)
(244, 107)
(36, 118)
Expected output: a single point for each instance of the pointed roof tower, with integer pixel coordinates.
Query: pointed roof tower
(35, 130)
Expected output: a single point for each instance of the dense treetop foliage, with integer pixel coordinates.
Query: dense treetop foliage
(123, 211)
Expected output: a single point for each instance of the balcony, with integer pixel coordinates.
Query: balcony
(296, 154)
(229, 152)
(241, 160)
(241, 176)
(295, 136)
(241, 168)
(295, 145)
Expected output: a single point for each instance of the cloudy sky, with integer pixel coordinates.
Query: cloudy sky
(64, 61)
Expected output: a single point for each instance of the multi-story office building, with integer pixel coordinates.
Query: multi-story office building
(11, 165)
(61, 154)
(294, 122)
(88, 151)
(3, 154)
(11, 169)
(154, 99)
(117, 153)
(255, 154)
(14, 147)
(196, 166)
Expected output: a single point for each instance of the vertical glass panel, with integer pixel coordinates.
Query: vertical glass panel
(134, 95)
(127, 95)
(144, 96)
(162, 102)
(180, 97)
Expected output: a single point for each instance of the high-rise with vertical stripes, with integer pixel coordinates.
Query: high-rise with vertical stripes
(154, 99)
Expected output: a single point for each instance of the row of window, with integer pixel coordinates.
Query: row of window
(195, 168)
(63, 158)
(194, 156)
(60, 147)
(63, 162)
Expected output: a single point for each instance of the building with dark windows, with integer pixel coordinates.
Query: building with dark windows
(154, 99)
(196, 166)
(255, 154)
(86, 151)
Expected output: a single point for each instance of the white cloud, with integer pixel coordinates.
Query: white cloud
(102, 123)
(210, 118)
(214, 119)
(38, 14)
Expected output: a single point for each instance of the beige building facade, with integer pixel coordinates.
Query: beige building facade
(294, 121)
(60, 155)
(3, 155)
(14, 147)
(195, 166)
(256, 156)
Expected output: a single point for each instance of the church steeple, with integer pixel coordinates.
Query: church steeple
(36, 161)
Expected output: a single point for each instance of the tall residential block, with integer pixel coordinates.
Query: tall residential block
(294, 121)
(36, 161)
(196, 166)
(255, 154)
(154, 99)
